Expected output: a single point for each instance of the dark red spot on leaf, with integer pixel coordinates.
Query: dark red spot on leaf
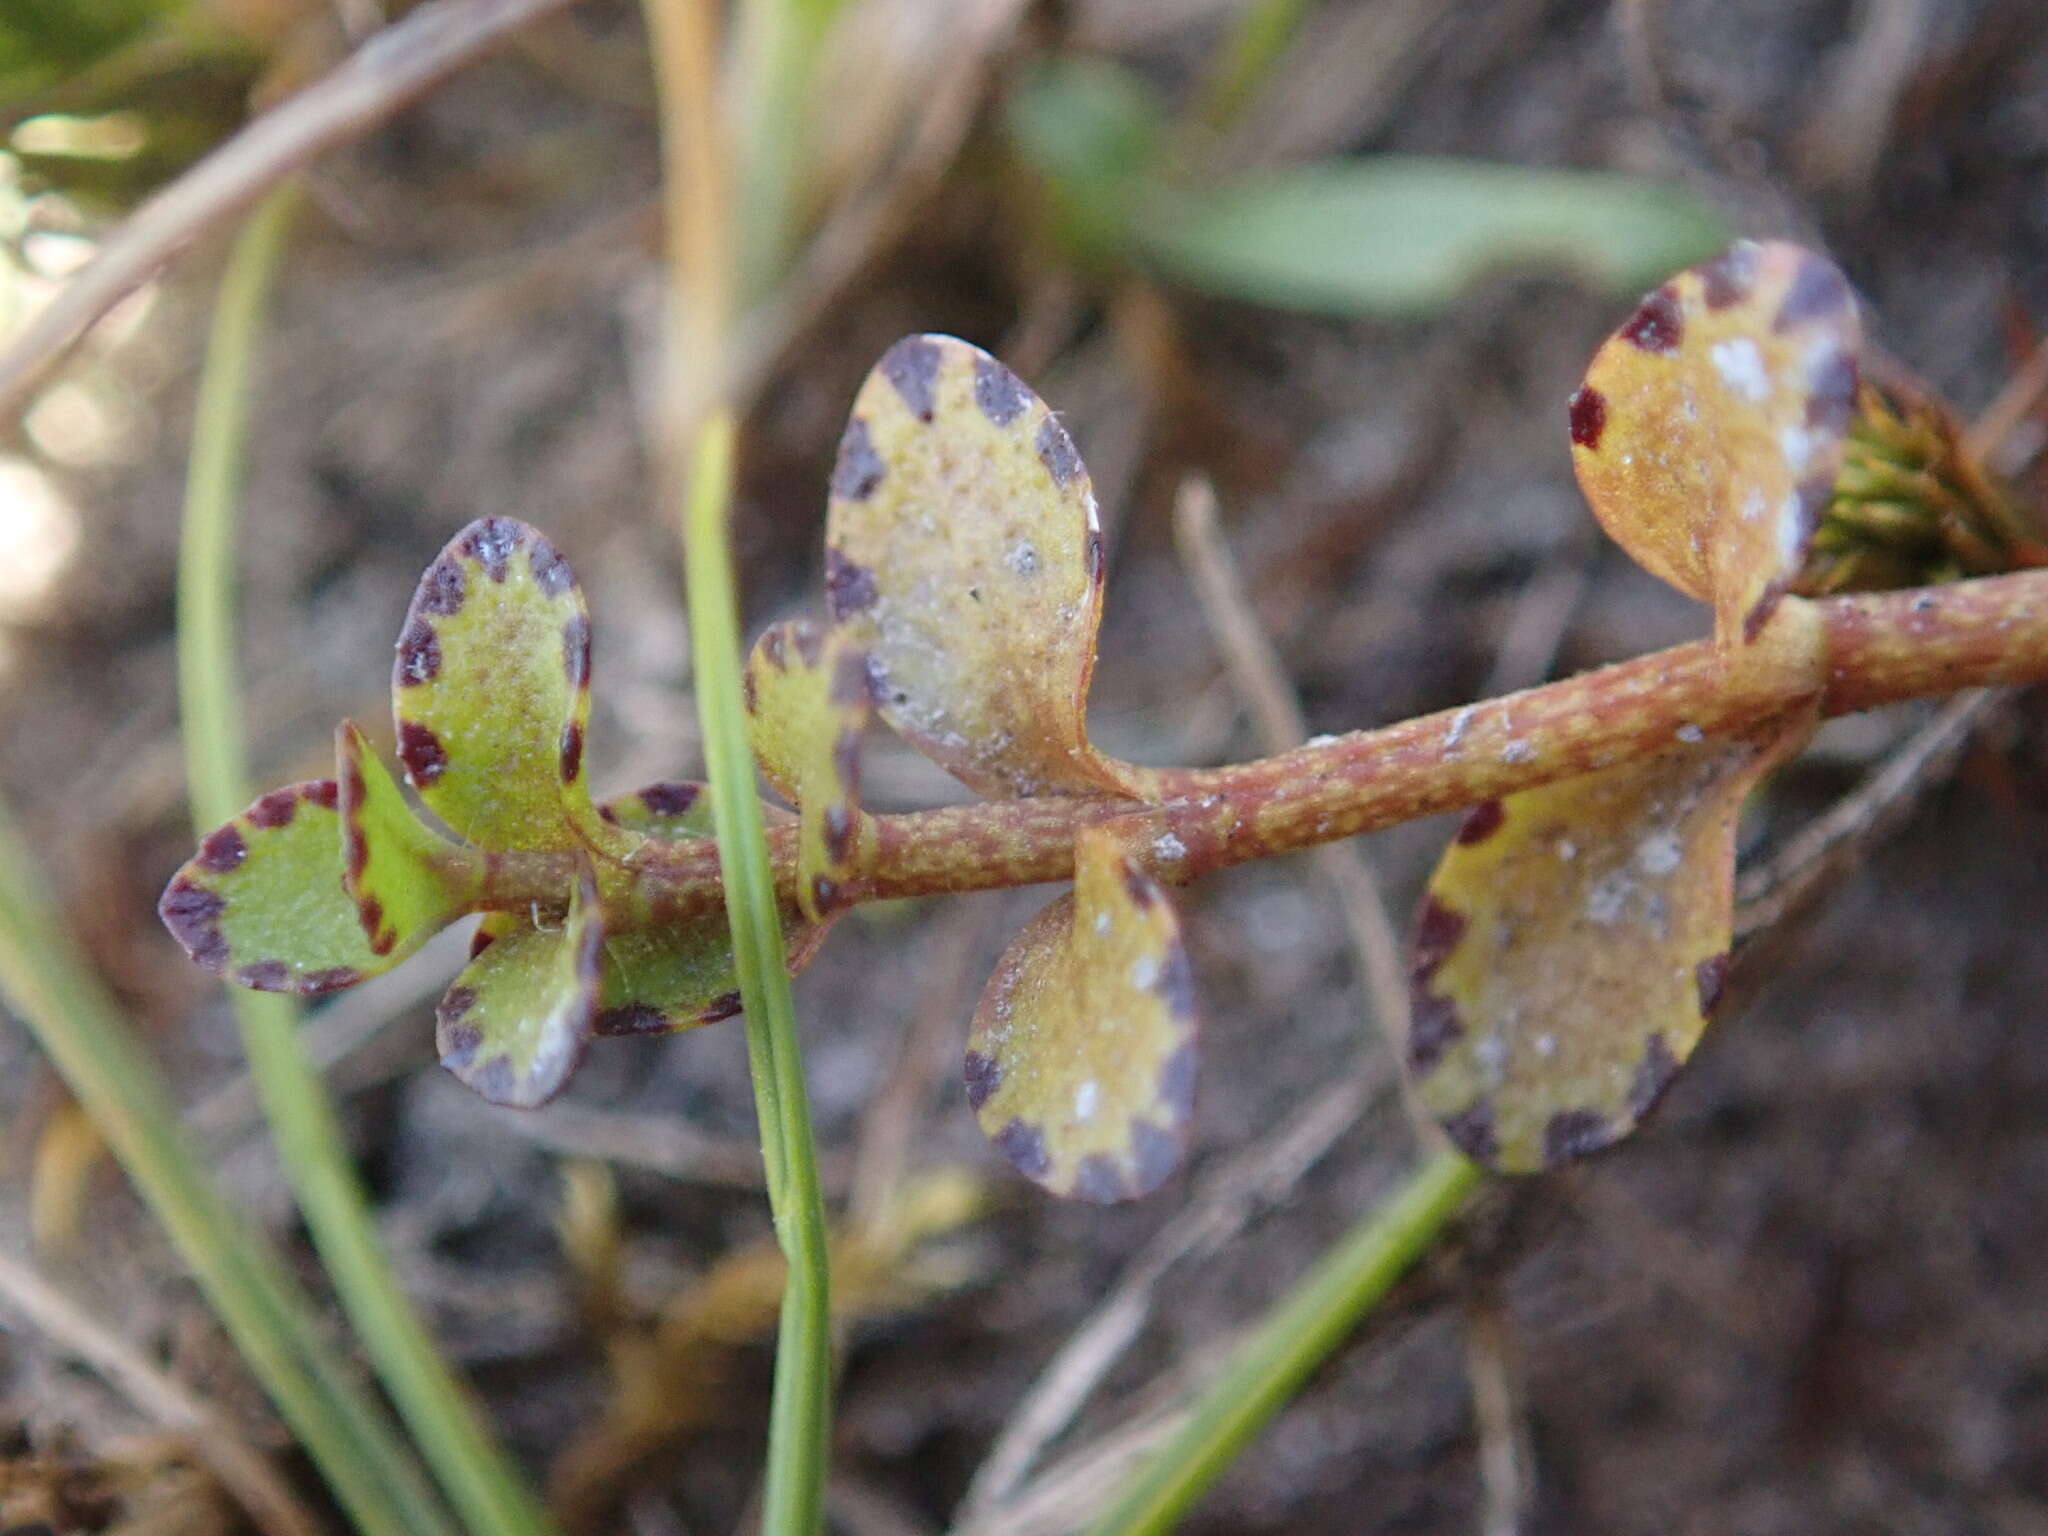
(463, 1039)
(1484, 820)
(1472, 1132)
(724, 1006)
(323, 792)
(1710, 977)
(442, 588)
(824, 892)
(1057, 452)
(1589, 416)
(275, 809)
(1434, 1026)
(382, 940)
(1730, 277)
(333, 979)
(1024, 1146)
(669, 799)
(421, 751)
(419, 655)
(490, 542)
(481, 940)
(457, 1002)
(1573, 1133)
(633, 1019)
(983, 1076)
(551, 573)
(572, 752)
(1657, 325)
(576, 651)
(265, 976)
(1653, 1075)
(1831, 401)
(1818, 290)
(192, 913)
(912, 365)
(859, 469)
(223, 850)
(1437, 932)
(849, 588)
(999, 392)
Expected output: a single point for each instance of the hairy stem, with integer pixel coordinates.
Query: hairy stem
(1853, 653)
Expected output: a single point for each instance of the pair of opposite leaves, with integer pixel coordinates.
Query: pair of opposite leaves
(1568, 953)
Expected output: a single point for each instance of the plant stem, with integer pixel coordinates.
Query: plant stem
(479, 1480)
(1297, 1335)
(1876, 649)
(47, 985)
(793, 1501)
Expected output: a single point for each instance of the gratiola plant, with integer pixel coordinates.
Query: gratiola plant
(1574, 939)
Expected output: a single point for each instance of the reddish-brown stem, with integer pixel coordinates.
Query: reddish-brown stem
(1849, 653)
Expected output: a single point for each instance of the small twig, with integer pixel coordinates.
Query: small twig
(394, 68)
(1505, 1460)
(1835, 842)
(243, 1471)
(1262, 682)
(2023, 393)
(930, 1039)
(1226, 1202)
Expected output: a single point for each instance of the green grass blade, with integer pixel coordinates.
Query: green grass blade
(45, 982)
(1296, 1337)
(793, 1500)
(478, 1478)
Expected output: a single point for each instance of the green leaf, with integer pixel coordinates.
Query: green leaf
(1712, 425)
(491, 690)
(1572, 946)
(515, 1024)
(1081, 1062)
(1093, 131)
(262, 903)
(964, 556)
(809, 700)
(407, 881)
(1394, 236)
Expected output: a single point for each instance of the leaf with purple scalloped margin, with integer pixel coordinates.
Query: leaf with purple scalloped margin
(808, 707)
(1711, 426)
(515, 1024)
(262, 902)
(1571, 949)
(408, 882)
(1081, 1061)
(491, 690)
(963, 555)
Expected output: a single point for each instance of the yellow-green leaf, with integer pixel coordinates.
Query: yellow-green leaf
(1081, 1063)
(1572, 946)
(963, 555)
(808, 705)
(1710, 429)
(491, 689)
(515, 1024)
(262, 902)
(408, 882)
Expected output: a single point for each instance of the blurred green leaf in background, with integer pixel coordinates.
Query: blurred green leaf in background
(1375, 236)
